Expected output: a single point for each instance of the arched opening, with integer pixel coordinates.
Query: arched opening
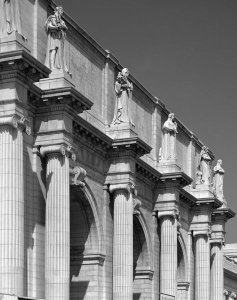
(181, 276)
(142, 273)
(85, 257)
(182, 284)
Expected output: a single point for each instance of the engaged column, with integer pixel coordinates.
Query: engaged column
(57, 257)
(168, 259)
(122, 242)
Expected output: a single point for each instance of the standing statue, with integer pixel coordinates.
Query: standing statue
(169, 128)
(218, 180)
(123, 90)
(56, 30)
(9, 17)
(203, 173)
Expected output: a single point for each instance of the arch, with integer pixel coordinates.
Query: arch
(146, 233)
(182, 259)
(86, 243)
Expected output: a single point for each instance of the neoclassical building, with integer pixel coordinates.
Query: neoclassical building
(104, 193)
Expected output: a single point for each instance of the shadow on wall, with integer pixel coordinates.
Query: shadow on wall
(83, 242)
(78, 290)
(136, 296)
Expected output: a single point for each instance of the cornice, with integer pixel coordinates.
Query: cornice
(179, 178)
(21, 64)
(51, 98)
(132, 146)
(187, 198)
(215, 203)
(146, 171)
(92, 135)
(226, 212)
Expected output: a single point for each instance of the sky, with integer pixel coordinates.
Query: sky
(183, 52)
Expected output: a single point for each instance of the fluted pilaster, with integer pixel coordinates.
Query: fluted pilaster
(11, 208)
(123, 243)
(217, 271)
(168, 261)
(57, 261)
(202, 265)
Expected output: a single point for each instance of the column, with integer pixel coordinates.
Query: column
(122, 243)
(202, 265)
(217, 271)
(11, 207)
(168, 258)
(57, 256)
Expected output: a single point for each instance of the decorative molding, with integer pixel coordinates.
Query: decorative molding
(183, 285)
(201, 232)
(143, 273)
(91, 135)
(16, 121)
(63, 149)
(22, 65)
(169, 213)
(129, 187)
(87, 259)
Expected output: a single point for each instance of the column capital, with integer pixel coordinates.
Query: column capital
(16, 122)
(62, 149)
(204, 232)
(169, 213)
(129, 187)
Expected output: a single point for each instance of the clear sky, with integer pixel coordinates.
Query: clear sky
(185, 53)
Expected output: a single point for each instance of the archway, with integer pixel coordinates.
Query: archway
(142, 266)
(85, 240)
(182, 284)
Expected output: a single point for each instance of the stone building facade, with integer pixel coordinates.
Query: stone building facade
(104, 193)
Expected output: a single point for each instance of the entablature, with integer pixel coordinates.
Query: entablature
(22, 65)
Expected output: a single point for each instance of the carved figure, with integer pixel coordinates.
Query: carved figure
(9, 17)
(218, 180)
(123, 89)
(204, 167)
(169, 128)
(56, 30)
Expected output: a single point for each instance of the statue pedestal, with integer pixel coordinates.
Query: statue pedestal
(168, 166)
(13, 42)
(202, 191)
(121, 131)
(57, 79)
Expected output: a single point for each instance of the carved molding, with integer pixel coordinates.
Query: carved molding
(169, 213)
(63, 149)
(205, 232)
(129, 187)
(16, 122)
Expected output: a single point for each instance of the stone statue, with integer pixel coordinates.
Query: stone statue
(123, 89)
(218, 180)
(56, 30)
(203, 173)
(169, 128)
(9, 17)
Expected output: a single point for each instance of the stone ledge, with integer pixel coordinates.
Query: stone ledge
(89, 259)
(143, 273)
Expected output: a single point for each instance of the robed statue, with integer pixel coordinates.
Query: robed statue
(56, 30)
(123, 89)
(218, 180)
(10, 21)
(204, 168)
(168, 150)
